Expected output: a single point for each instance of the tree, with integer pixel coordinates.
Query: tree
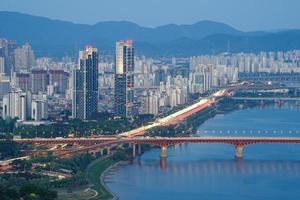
(9, 148)
(32, 191)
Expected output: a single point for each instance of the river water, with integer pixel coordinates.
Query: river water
(210, 171)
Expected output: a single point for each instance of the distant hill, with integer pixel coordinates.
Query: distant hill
(56, 38)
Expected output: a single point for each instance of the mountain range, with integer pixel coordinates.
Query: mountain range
(57, 38)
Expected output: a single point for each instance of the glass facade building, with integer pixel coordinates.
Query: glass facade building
(124, 78)
(85, 85)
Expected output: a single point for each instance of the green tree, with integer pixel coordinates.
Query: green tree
(32, 191)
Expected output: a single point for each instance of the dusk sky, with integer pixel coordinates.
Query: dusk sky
(247, 15)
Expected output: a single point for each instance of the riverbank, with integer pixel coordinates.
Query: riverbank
(95, 189)
(97, 171)
(104, 175)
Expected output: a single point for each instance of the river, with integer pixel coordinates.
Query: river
(210, 171)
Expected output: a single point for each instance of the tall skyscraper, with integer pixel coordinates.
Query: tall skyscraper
(124, 78)
(85, 85)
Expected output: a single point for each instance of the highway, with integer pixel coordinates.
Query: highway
(177, 116)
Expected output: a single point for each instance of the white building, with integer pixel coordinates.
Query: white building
(153, 101)
(201, 78)
(39, 110)
(15, 105)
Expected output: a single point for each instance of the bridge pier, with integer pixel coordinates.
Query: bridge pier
(133, 150)
(108, 150)
(139, 149)
(163, 151)
(239, 151)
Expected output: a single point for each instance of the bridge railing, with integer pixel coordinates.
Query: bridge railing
(248, 132)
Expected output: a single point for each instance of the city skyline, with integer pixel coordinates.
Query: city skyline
(118, 110)
(262, 16)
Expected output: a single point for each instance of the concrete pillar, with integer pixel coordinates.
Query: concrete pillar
(239, 151)
(108, 150)
(101, 152)
(163, 151)
(139, 149)
(133, 151)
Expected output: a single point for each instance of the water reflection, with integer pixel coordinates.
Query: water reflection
(163, 163)
(224, 167)
(211, 172)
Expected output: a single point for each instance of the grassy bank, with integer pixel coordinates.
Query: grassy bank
(94, 190)
(95, 172)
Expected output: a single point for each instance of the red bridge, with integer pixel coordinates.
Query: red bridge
(99, 143)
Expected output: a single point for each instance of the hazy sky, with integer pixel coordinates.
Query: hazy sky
(242, 14)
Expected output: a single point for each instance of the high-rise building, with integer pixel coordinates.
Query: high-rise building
(59, 78)
(39, 109)
(4, 86)
(22, 81)
(39, 80)
(153, 101)
(201, 79)
(159, 77)
(15, 104)
(85, 85)
(124, 78)
(10, 60)
(7, 50)
(196, 82)
(2, 65)
(24, 58)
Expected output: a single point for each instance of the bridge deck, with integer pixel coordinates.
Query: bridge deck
(161, 139)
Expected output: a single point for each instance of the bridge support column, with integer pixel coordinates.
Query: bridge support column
(239, 151)
(108, 150)
(133, 151)
(139, 149)
(163, 151)
(101, 152)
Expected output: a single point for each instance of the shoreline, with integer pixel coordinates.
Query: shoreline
(102, 179)
(97, 182)
(104, 174)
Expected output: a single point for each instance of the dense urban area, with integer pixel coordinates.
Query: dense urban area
(95, 94)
